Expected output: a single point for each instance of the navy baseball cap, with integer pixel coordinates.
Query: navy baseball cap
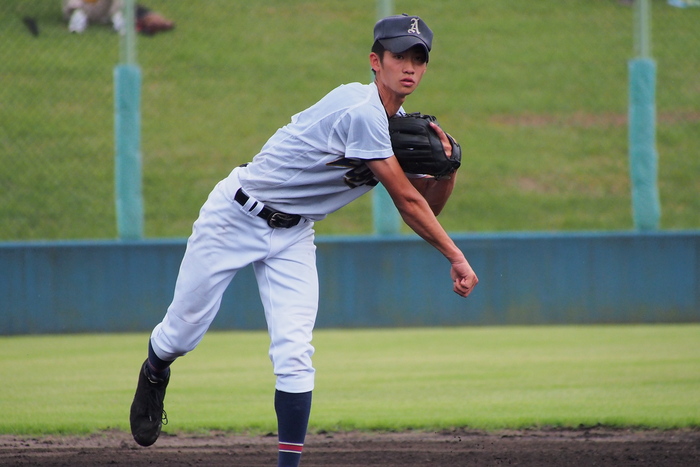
(401, 32)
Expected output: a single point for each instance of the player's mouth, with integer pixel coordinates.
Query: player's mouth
(408, 82)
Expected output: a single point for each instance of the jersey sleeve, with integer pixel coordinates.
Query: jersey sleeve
(367, 134)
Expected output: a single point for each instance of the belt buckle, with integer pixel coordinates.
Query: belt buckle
(280, 220)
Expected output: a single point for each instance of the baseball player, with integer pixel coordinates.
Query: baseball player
(263, 214)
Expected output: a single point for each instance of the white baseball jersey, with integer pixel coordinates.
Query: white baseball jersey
(315, 164)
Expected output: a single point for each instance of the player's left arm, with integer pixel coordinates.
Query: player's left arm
(436, 192)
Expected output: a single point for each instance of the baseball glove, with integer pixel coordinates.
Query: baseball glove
(418, 147)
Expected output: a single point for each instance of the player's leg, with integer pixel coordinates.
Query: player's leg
(224, 240)
(293, 410)
(212, 258)
(288, 284)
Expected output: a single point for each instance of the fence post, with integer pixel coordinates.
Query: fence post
(643, 156)
(385, 215)
(127, 129)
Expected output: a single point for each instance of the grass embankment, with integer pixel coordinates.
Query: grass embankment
(536, 92)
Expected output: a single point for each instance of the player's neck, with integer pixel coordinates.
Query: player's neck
(391, 101)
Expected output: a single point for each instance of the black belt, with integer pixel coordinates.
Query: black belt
(275, 219)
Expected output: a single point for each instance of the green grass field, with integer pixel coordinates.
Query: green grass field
(536, 92)
(489, 378)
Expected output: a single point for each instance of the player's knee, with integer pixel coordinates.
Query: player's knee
(170, 342)
(293, 367)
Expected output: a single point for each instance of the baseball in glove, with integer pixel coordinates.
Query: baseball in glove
(418, 147)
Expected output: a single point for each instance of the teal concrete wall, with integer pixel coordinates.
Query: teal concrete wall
(113, 286)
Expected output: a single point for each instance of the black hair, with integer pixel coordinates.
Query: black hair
(378, 49)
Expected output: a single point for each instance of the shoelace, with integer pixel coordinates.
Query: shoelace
(154, 404)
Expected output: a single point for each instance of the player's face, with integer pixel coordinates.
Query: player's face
(402, 72)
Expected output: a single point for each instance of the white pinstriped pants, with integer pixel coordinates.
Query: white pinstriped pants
(226, 238)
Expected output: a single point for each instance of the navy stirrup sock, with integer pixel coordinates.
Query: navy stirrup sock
(157, 368)
(293, 411)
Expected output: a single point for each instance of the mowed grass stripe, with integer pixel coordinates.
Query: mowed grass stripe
(388, 379)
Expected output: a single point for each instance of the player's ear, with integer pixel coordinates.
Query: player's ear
(374, 61)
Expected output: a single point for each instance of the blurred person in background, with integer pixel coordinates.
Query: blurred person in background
(80, 13)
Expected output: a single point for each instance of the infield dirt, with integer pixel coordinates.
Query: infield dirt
(552, 447)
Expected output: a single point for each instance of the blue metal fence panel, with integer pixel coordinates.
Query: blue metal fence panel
(528, 278)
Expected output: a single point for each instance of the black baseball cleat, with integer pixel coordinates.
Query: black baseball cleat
(147, 415)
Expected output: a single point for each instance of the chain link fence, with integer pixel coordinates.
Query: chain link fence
(212, 92)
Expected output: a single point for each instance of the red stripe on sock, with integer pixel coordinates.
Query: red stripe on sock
(291, 447)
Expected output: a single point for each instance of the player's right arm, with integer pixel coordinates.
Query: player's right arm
(419, 216)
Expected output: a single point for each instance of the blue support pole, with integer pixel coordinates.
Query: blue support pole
(127, 79)
(642, 145)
